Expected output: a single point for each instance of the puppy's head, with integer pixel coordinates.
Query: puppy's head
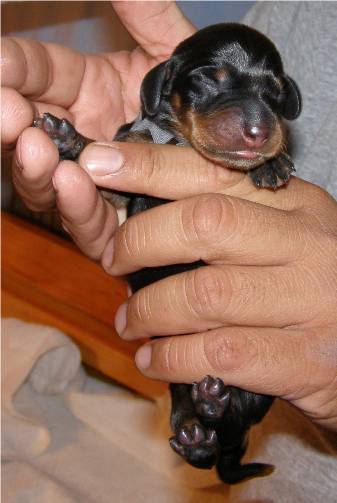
(225, 91)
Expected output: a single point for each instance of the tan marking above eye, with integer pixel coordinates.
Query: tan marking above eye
(176, 101)
(221, 74)
(280, 83)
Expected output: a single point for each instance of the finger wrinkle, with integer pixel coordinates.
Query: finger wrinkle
(170, 359)
(133, 237)
(208, 292)
(141, 307)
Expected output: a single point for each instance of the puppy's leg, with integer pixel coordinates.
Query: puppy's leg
(193, 441)
(273, 173)
(69, 142)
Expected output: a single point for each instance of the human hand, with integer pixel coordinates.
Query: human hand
(262, 314)
(41, 77)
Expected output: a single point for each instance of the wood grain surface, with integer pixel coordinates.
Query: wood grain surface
(46, 280)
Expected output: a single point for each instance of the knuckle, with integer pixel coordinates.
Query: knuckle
(226, 351)
(208, 215)
(206, 291)
(172, 356)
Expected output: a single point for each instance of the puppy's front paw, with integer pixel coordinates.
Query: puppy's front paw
(274, 173)
(197, 445)
(210, 397)
(69, 142)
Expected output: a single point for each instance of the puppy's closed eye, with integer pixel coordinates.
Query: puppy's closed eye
(222, 74)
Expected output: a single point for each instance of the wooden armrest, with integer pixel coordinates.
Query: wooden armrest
(46, 280)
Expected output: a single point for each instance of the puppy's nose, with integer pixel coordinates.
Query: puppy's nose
(256, 136)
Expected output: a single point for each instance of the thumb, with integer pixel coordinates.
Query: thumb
(163, 171)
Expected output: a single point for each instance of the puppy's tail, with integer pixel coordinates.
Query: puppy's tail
(235, 473)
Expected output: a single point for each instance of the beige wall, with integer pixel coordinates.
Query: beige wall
(82, 25)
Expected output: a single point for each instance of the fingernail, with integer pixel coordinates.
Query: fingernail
(120, 318)
(143, 357)
(108, 256)
(102, 159)
(65, 228)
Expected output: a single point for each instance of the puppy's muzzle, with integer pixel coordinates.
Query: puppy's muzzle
(232, 135)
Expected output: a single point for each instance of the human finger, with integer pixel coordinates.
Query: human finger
(17, 114)
(214, 296)
(168, 172)
(157, 26)
(154, 170)
(297, 365)
(212, 227)
(85, 214)
(35, 161)
(42, 71)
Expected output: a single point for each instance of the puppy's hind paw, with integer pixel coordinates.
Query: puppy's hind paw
(211, 398)
(198, 446)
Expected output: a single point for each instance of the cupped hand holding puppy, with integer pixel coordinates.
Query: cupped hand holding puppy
(42, 77)
(262, 313)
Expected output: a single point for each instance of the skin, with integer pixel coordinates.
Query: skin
(262, 314)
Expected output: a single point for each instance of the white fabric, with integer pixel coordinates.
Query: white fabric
(69, 437)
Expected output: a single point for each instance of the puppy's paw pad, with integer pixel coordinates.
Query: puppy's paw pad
(210, 397)
(197, 445)
(273, 174)
(69, 142)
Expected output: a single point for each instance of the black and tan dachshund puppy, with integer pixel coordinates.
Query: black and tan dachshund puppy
(223, 92)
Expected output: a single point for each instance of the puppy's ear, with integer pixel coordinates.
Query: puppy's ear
(153, 86)
(292, 105)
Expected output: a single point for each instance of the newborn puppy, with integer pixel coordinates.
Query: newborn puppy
(223, 92)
